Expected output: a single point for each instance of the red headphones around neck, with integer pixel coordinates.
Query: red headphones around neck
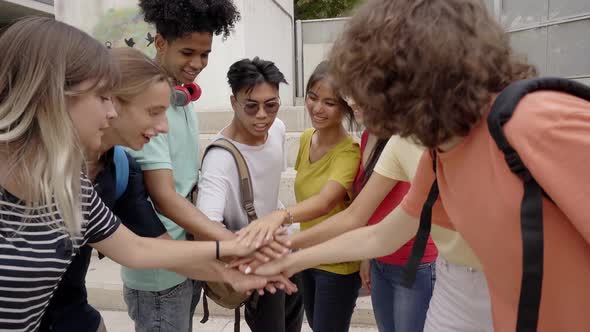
(182, 95)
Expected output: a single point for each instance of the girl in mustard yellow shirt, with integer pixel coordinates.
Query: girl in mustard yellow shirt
(326, 165)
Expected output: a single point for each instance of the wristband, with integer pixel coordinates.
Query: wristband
(217, 249)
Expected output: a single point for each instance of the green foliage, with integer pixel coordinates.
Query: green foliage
(315, 9)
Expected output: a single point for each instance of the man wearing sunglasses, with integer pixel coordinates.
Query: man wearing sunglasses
(260, 137)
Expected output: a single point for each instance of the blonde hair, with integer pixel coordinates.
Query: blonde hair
(42, 62)
(138, 73)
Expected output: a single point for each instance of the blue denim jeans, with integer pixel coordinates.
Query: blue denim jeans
(396, 308)
(170, 310)
(329, 299)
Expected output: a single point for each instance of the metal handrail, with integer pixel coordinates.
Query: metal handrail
(562, 20)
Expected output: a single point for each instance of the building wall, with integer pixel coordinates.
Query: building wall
(552, 34)
(268, 25)
(10, 10)
(266, 30)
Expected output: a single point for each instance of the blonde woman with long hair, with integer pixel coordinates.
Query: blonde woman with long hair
(55, 99)
(140, 100)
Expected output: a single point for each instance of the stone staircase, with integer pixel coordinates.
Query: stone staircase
(105, 289)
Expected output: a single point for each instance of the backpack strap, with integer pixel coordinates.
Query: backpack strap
(531, 208)
(423, 233)
(121, 174)
(531, 205)
(247, 195)
(121, 171)
(246, 190)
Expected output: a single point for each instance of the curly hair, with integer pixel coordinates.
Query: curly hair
(424, 68)
(175, 19)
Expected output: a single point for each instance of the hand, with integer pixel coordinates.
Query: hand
(260, 231)
(234, 248)
(274, 250)
(247, 283)
(277, 248)
(244, 283)
(366, 274)
(279, 282)
(286, 266)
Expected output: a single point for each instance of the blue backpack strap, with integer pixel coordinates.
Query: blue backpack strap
(121, 171)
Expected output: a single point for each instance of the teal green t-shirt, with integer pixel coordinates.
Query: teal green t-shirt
(178, 150)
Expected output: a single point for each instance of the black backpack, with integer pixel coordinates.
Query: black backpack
(531, 208)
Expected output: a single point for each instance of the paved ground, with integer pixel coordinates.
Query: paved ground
(118, 321)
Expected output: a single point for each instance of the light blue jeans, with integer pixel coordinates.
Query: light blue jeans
(397, 308)
(170, 310)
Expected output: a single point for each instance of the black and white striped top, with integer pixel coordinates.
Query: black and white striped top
(35, 254)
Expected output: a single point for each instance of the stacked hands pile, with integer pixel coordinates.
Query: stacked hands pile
(262, 250)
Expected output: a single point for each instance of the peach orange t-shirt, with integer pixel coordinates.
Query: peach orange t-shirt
(480, 197)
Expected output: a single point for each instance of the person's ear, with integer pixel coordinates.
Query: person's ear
(161, 44)
(233, 101)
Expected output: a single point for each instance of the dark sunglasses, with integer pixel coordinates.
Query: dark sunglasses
(252, 107)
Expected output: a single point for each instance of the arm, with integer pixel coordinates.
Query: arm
(332, 194)
(156, 164)
(194, 259)
(341, 174)
(372, 241)
(212, 270)
(136, 252)
(103, 231)
(398, 162)
(216, 271)
(339, 180)
(160, 185)
(261, 230)
(135, 210)
(355, 216)
(388, 236)
(218, 175)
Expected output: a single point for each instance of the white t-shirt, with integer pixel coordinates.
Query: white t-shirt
(219, 190)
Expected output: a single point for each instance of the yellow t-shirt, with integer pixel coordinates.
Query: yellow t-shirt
(340, 164)
(399, 161)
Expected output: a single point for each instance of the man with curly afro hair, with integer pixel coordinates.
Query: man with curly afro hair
(160, 300)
